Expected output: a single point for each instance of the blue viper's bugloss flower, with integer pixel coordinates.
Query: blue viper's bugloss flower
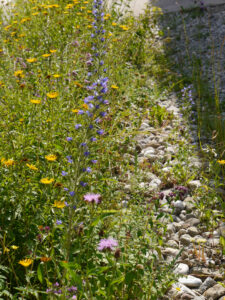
(88, 169)
(100, 131)
(86, 153)
(103, 113)
(83, 144)
(94, 161)
(69, 159)
(93, 139)
(72, 193)
(77, 126)
(82, 183)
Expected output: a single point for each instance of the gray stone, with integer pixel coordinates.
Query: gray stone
(179, 205)
(192, 222)
(182, 216)
(193, 231)
(170, 228)
(182, 269)
(148, 152)
(182, 231)
(154, 184)
(190, 281)
(213, 242)
(170, 251)
(172, 244)
(208, 283)
(185, 239)
(178, 225)
(178, 290)
(194, 184)
(214, 292)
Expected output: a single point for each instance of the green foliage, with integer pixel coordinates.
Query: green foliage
(48, 246)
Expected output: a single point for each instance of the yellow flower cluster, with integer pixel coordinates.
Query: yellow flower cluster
(52, 95)
(8, 162)
(51, 157)
(26, 262)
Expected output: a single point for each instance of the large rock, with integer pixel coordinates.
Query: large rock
(179, 291)
(190, 281)
(208, 283)
(214, 292)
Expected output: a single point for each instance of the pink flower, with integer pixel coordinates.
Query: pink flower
(107, 244)
(92, 198)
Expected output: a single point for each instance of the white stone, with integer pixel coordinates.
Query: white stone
(182, 269)
(194, 184)
(190, 281)
(179, 205)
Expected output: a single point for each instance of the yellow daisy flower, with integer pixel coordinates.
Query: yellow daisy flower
(52, 95)
(19, 73)
(31, 60)
(32, 167)
(46, 55)
(56, 75)
(35, 101)
(59, 204)
(115, 87)
(46, 180)
(26, 262)
(75, 110)
(51, 157)
(14, 247)
(53, 50)
(221, 162)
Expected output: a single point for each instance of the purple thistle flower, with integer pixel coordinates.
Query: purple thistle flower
(92, 198)
(107, 244)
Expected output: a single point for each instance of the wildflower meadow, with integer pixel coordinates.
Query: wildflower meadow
(74, 91)
(70, 84)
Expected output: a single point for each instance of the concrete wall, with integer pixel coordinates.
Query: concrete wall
(170, 5)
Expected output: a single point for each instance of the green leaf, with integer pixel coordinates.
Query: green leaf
(39, 273)
(118, 280)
